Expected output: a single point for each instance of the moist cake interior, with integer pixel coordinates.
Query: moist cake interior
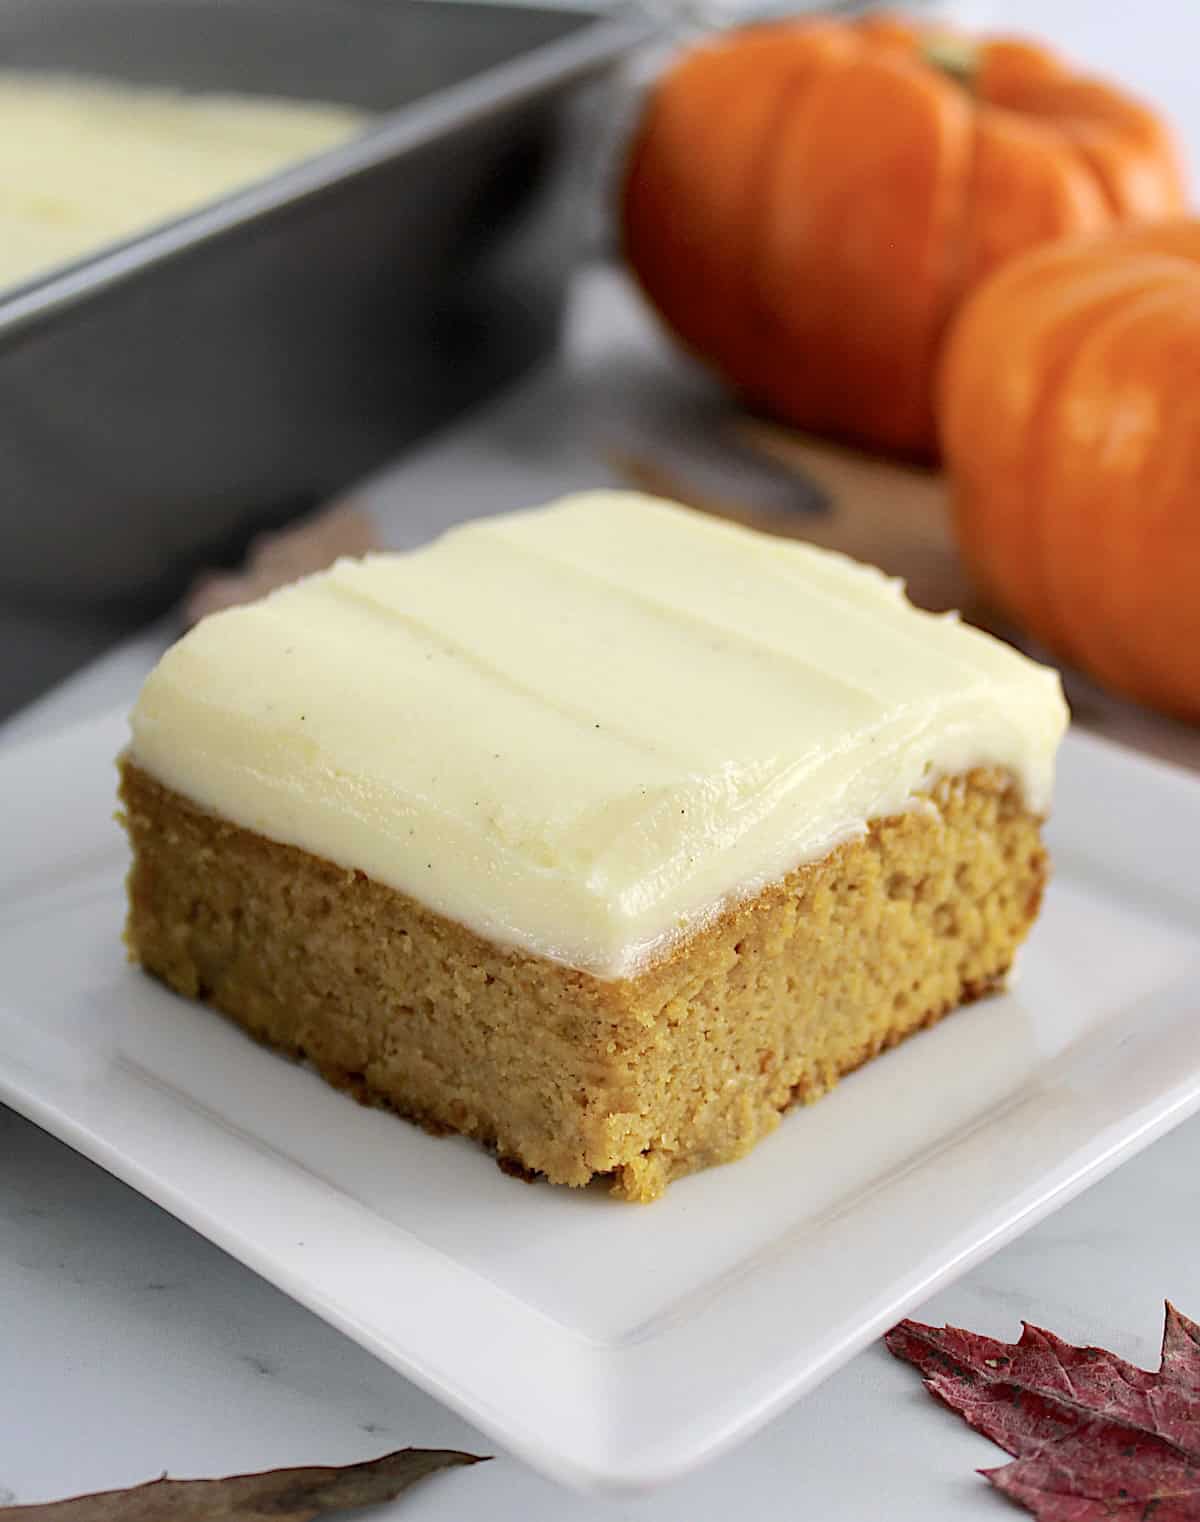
(686, 1065)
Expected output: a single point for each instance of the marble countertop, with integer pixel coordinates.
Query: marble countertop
(133, 1346)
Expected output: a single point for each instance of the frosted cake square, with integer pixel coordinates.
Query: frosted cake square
(603, 832)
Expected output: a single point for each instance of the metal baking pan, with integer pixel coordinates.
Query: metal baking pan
(164, 399)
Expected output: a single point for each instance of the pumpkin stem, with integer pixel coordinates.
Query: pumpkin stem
(956, 57)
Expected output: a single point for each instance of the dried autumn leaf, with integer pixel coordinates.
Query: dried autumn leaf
(1094, 1437)
(278, 1495)
(273, 560)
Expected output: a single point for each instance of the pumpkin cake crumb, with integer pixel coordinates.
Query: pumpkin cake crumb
(566, 1075)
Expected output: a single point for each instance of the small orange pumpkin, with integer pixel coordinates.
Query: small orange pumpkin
(807, 202)
(1069, 404)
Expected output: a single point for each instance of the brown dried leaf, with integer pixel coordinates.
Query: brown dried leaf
(274, 560)
(278, 1495)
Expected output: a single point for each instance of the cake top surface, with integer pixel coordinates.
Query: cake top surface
(583, 730)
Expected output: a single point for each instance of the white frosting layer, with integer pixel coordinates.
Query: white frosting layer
(84, 162)
(583, 730)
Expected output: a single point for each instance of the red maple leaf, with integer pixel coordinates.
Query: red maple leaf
(1094, 1437)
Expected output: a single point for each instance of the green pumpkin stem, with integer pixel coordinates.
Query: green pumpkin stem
(956, 57)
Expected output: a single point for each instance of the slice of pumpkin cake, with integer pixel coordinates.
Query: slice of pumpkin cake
(603, 832)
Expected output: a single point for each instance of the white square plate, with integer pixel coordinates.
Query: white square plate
(609, 1344)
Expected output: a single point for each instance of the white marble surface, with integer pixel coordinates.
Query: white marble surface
(132, 1346)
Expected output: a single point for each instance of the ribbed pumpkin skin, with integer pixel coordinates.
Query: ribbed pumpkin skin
(1069, 405)
(806, 204)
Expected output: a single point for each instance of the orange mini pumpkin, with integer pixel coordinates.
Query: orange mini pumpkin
(806, 203)
(1069, 403)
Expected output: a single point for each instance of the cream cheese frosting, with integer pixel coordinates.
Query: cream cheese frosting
(86, 161)
(583, 730)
